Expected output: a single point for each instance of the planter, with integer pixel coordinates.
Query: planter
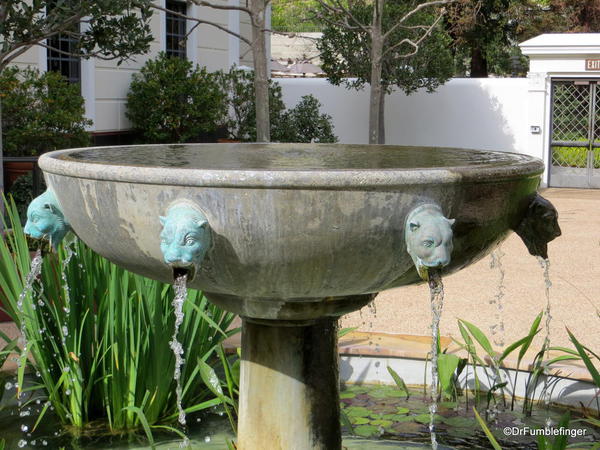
(15, 169)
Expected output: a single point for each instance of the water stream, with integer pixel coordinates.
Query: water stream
(497, 328)
(180, 287)
(436, 292)
(34, 272)
(545, 265)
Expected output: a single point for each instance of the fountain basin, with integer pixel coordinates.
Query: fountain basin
(292, 224)
(298, 234)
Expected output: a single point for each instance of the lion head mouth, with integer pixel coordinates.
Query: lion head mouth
(183, 270)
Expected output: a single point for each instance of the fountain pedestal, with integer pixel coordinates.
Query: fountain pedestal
(289, 386)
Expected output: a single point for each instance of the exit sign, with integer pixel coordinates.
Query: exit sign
(592, 64)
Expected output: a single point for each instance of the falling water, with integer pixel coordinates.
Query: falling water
(497, 329)
(34, 273)
(436, 292)
(545, 265)
(180, 287)
(67, 305)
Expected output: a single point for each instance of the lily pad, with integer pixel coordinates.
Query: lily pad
(402, 410)
(357, 411)
(394, 417)
(366, 430)
(381, 423)
(386, 393)
(425, 418)
(359, 420)
(347, 395)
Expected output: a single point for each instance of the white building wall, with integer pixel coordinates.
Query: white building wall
(488, 114)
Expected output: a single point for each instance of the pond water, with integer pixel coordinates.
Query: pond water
(381, 417)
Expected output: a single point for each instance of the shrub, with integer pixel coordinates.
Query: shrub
(40, 112)
(241, 123)
(170, 100)
(305, 123)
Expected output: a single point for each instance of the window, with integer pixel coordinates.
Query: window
(175, 35)
(68, 66)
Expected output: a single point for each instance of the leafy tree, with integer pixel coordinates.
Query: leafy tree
(170, 100)
(42, 112)
(294, 16)
(305, 123)
(108, 29)
(256, 11)
(484, 34)
(385, 44)
(241, 123)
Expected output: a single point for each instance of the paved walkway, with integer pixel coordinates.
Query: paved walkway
(575, 293)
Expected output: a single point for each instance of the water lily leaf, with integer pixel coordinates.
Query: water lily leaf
(366, 430)
(394, 417)
(357, 411)
(347, 395)
(359, 420)
(425, 418)
(402, 410)
(386, 392)
(382, 423)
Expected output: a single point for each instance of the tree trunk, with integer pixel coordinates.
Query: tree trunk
(479, 67)
(382, 116)
(261, 74)
(376, 94)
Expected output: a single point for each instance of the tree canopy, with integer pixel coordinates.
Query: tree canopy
(108, 29)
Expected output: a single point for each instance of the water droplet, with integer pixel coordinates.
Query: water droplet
(66, 369)
(24, 428)
(207, 439)
(68, 392)
(22, 443)
(65, 330)
(8, 386)
(44, 442)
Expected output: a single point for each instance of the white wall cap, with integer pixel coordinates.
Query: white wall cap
(562, 44)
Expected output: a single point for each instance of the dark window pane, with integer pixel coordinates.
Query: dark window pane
(176, 29)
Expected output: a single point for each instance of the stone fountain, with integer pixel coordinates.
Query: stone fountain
(290, 237)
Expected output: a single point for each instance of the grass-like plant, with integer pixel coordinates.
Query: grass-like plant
(99, 336)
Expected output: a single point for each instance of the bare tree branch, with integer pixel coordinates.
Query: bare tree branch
(413, 12)
(202, 21)
(341, 10)
(414, 44)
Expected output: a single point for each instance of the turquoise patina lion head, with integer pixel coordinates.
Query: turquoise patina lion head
(45, 219)
(428, 236)
(185, 237)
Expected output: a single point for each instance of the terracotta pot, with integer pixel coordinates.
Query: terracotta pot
(13, 170)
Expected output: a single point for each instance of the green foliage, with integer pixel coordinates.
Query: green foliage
(294, 16)
(115, 29)
(40, 112)
(346, 52)
(241, 123)
(305, 123)
(100, 339)
(170, 100)
(22, 193)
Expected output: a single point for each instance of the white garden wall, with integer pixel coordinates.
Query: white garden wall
(490, 114)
